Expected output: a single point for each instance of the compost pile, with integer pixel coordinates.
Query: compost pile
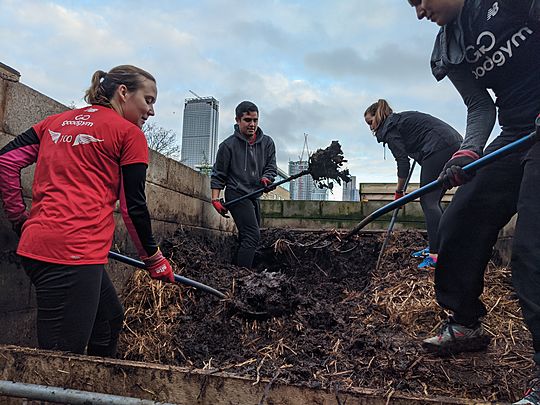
(322, 317)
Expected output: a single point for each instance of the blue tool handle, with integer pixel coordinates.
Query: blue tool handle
(477, 164)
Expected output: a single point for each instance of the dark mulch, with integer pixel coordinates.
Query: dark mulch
(319, 315)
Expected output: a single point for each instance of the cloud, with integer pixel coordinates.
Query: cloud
(390, 62)
(311, 66)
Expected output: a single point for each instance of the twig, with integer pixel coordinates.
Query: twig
(268, 386)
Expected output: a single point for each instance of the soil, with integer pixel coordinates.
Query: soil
(325, 165)
(322, 317)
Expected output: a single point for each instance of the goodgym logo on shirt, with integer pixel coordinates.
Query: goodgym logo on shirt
(487, 57)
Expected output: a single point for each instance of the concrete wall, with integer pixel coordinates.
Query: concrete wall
(177, 195)
(335, 214)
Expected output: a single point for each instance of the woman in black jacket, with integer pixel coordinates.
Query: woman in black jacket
(429, 141)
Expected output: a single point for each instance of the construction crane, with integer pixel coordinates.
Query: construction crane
(305, 148)
(195, 94)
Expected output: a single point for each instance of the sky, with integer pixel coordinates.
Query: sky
(312, 67)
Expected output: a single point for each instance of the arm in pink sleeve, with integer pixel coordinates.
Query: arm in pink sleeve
(15, 156)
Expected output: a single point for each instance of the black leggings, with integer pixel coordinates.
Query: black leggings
(430, 202)
(470, 226)
(247, 217)
(78, 308)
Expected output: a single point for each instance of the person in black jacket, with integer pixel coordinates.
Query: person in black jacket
(245, 162)
(489, 45)
(428, 140)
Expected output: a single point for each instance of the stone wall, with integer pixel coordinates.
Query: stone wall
(335, 214)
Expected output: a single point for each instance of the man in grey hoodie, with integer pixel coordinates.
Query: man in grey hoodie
(245, 162)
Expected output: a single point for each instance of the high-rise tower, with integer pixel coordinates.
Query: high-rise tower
(200, 132)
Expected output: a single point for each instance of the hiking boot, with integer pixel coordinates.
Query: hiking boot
(421, 253)
(532, 395)
(455, 338)
(427, 264)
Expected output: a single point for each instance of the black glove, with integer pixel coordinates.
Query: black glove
(452, 174)
(18, 224)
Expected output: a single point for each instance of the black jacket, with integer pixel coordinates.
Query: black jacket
(415, 134)
(240, 166)
(493, 45)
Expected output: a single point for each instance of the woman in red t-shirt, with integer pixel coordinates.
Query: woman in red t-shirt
(86, 159)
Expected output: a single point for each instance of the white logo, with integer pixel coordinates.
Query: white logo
(486, 42)
(91, 109)
(82, 117)
(83, 139)
(55, 136)
(492, 12)
(78, 123)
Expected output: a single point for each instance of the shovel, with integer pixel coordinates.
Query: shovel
(471, 167)
(323, 164)
(177, 278)
(272, 186)
(393, 220)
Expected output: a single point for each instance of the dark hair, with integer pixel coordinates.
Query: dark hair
(245, 107)
(380, 111)
(104, 85)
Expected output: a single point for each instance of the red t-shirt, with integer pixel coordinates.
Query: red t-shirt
(76, 184)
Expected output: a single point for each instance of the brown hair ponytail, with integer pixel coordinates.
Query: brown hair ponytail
(103, 85)
(380, 111)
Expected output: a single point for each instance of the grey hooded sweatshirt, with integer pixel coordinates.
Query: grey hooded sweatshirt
(240, 166)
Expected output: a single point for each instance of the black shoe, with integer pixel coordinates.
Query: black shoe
(455, 338)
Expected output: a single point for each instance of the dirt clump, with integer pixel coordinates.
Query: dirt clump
(319, 315)
(325, 165)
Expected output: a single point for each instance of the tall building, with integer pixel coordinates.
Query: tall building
(303, 188)
(200, 132)
(350, 192)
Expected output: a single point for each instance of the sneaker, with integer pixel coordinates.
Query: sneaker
(455, 338)
(532, 395)
(421, 253)
(427, 264)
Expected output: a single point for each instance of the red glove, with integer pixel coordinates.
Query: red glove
(267, 184)
(398, 194)
(452, 174)
(159, 267)
(220, 208)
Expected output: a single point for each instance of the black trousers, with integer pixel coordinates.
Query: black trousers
(78, 308)
(247, 217)
(431, 202)
(469, 228)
